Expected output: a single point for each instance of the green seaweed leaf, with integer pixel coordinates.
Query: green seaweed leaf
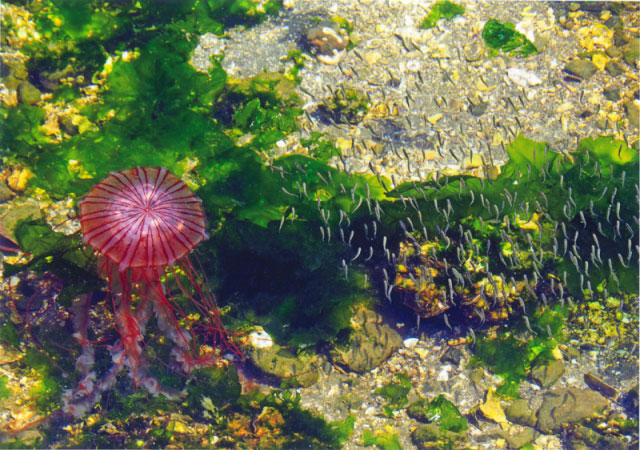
(503, 36)
(441, 10)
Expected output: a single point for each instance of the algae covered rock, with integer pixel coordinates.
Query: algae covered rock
(547, 373)
(432, 436)
(582, 68)
(567, 406)
(519, 412)
(283, 364)
(370, 343)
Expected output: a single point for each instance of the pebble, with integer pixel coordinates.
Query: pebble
(582, 68)
(523, 77)
(410, 342)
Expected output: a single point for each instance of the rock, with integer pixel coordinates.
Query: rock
(519, 412)
(613, 68)
(633, 114)
(613, 52)
(418, 410)
(547, 373)
(5, 192)
(28, 93)
(631, 52)
(370, 343)
(611, 94)
(582, 68)
(473, 51)
(568, 406)
(523, 77)
(479, 108)
(284, 365)
(328, 41)
(432, 437)
(410, 342)
(583, 437)
(25, 211)
(521, 438)
(452, 355)
(597, 384)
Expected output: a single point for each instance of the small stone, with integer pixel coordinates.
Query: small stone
(434, 118)
(613, 52)
(600, 60)
(523, 77)
(545, 375)
(433, 436)
(453, 355)
(568, 406)
(631, 52)
(582, 68)
(597, 384)
(17, 181)
(5, 193)
(521, 438)
(613, 68)
(611, 94)
(473, 51)
(410, 342)
(479, 108)
(633, 113)
(28, 93)
(519, 412)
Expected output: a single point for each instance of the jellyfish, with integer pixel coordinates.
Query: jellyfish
(143, 223)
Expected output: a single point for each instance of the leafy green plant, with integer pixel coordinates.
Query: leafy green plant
(441, 10)
(503, 36)
(384, 441)
(511, 353)
(442, 411)
(395, 392)
(4, 390)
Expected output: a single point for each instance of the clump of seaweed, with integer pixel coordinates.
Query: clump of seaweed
(503, 36)
(441, 10)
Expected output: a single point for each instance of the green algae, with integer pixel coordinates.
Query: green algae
(441, 10)
(384, 441)
(503, 36)
(511, 353)
(396, 393)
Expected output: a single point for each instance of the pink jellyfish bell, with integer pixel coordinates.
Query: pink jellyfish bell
(142, 218)
(143, 223)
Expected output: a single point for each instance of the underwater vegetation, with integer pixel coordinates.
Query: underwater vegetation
(441, 10)
(294, 246)
(503, 36)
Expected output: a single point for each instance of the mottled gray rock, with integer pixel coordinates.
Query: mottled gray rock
(432, 437)
(633, 114)
(521, 438)
(611, 93)
(284, 365)
(613, 68)
(568, 406)
(370, 343)
(613, 52)
(547, 373)
(631, 52)
(582, 68)
(519, 412)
